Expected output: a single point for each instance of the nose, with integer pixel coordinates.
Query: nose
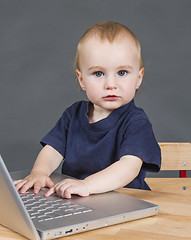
(110, 83)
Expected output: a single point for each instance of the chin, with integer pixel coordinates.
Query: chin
(111, 106)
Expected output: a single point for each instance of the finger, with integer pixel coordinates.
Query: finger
(50, 192)
(50, 183)
(79, 189)
(26, 186)
(68, 193)
(74, 190)
(60, 188)
(62, 185)
(65, 191)
(17, 181)
(37, 187)
(20, 184)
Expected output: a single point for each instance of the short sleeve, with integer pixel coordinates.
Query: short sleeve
(139, 140)
(56, 138)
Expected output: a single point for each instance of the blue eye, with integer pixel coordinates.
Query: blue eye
(122, 72)
(98, 74)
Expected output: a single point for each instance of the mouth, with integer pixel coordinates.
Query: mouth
(111, 98)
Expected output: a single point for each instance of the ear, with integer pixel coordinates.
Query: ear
(140, 78)
(80, 79)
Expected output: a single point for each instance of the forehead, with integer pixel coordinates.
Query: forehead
(122, 48)
(95, 39)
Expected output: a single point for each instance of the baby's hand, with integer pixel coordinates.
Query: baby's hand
(36, 180)
(67, 187)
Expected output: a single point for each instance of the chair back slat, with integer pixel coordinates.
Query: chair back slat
(170, 185)
(175, 156)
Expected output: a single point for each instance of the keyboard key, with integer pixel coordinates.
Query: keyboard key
(46, 209)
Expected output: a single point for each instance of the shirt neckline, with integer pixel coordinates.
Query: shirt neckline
(109, 121)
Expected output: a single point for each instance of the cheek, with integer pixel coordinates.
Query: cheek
(129, 89)
(92, 94)
(91, 91)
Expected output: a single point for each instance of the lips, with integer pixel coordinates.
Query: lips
(111, 98)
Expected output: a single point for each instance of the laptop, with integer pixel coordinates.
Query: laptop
(62, 217)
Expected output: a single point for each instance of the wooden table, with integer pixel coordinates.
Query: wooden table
(172, 223)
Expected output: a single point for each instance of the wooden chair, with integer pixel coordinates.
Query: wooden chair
(175, 156)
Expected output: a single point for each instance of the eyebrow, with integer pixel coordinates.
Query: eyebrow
(125, 67)
(119, 67)
(95, 67)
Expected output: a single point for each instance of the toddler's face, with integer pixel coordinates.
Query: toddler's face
(109, 72)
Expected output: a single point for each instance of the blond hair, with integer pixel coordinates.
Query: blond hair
(108, 31)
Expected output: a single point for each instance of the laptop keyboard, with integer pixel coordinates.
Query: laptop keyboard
(41, 208)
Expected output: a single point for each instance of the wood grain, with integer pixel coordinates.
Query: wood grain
(171, 185)
(175, 155)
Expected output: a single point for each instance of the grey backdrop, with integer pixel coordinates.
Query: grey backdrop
(38, 39)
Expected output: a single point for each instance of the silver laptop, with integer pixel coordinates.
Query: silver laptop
(57, 217)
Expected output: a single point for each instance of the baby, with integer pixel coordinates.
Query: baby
(106, 142)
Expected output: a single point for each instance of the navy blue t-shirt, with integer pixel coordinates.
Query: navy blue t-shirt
(91, 147)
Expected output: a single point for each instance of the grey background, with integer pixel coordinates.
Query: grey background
(38, 39)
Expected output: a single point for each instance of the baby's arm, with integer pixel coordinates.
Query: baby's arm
(113, 177)
(47, 161)
(117, 175)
